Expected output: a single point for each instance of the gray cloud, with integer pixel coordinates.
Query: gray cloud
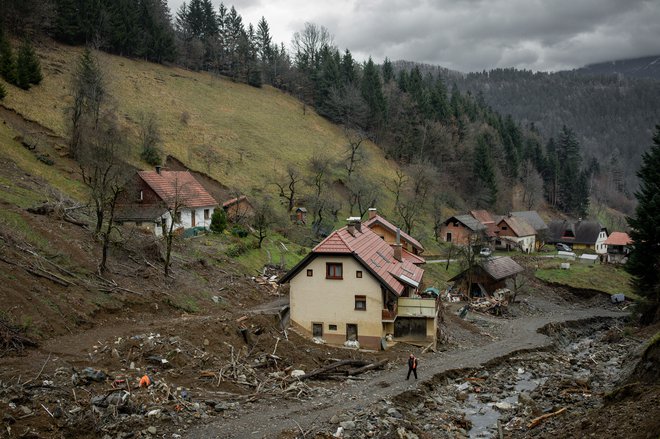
(470, 35)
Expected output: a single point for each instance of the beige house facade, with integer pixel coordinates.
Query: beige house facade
(355, 286)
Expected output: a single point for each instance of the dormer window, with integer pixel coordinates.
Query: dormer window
(141, 196)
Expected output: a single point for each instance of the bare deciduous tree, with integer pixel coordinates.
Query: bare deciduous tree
(100, 156)
(410, 189)
(287, 186)
(532, 183)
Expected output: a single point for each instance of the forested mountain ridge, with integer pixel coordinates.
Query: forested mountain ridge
(644, 67)
(613, 116)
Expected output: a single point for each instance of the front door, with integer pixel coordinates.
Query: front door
(192, 218)
(351, 331)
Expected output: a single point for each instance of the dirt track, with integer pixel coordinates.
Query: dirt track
(269, 420)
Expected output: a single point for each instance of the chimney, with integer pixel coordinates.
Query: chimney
(372, 212)
(158, 169)
(354, 224)
(397, 247)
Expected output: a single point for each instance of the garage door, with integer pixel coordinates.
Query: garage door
(409, 327)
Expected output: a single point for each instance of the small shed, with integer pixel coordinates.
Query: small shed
(588, 258)
(299, 215)
(488, 275)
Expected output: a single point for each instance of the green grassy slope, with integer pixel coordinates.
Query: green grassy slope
(251, 132)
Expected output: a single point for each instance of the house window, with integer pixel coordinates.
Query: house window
(505, 228)
(193, 217)
(310, 272)
(360, 303)
(333, 270)
(332, 327)
(177, 217)
(448, 239)
(358, 274)
(207, 214)
(317, 329)
(141, 195)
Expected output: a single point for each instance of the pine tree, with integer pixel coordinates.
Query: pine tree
(7, 61)
(29, 68)
(644, 260)
(388, 71)
(372, 92)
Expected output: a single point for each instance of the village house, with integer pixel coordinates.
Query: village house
(534, 219)
(618, 247)
(515, 232)
(356, 286)
(579, 235)
(238, 209)
(458, 229)
(152, 197)
(487, 276)
(388, 231)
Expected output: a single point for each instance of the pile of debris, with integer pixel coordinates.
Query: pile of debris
(525, 392)
(268, 278)
(12, 338)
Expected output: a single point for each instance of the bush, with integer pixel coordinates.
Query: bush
(151, 156)
(3, 92)
(218, 221)
(237, 249)
(239, 231)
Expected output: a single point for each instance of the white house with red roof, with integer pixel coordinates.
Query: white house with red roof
(356, 286)
(155, 195)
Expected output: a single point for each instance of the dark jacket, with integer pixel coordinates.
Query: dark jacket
(412, 363)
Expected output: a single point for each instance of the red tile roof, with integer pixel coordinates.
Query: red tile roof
(483, 216)
(234, 201)
(169, 185)
(392, 228)
(415, 259)
(618, 238)
(519, 226)
(373, 253)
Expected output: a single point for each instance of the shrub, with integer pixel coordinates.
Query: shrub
(239, 231)
(218, 221)
(151, 156)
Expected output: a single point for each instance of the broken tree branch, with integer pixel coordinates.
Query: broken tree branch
(536, 421)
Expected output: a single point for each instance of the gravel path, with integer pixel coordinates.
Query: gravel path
(268, 419)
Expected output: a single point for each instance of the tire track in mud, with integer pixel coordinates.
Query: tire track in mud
(269, 418)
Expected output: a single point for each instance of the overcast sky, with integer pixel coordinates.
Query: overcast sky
(469, 35)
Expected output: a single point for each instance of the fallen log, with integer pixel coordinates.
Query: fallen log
(377, 365)
(333, 366)
(536, 421)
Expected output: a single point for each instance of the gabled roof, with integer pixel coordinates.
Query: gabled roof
(170, 185)
(415, 259)
(483, 216)
(236, 200)
(372, 252)
(580, 232)
(533, 218)
(618, 238)
(392, 228)
(501, 267)
(497, 267)
(468, 221)
(519, 226)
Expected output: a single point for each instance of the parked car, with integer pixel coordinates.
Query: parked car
(563, 247)
(486, 251)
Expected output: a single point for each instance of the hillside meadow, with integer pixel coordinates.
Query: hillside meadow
(240, 135)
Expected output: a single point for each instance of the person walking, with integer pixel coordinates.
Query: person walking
(412, 366)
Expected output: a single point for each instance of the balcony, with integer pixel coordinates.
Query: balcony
(389, 315)
(417, 307)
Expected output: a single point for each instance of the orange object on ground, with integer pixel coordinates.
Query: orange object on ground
(145, 381)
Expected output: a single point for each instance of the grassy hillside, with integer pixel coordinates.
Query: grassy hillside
(238, 134)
